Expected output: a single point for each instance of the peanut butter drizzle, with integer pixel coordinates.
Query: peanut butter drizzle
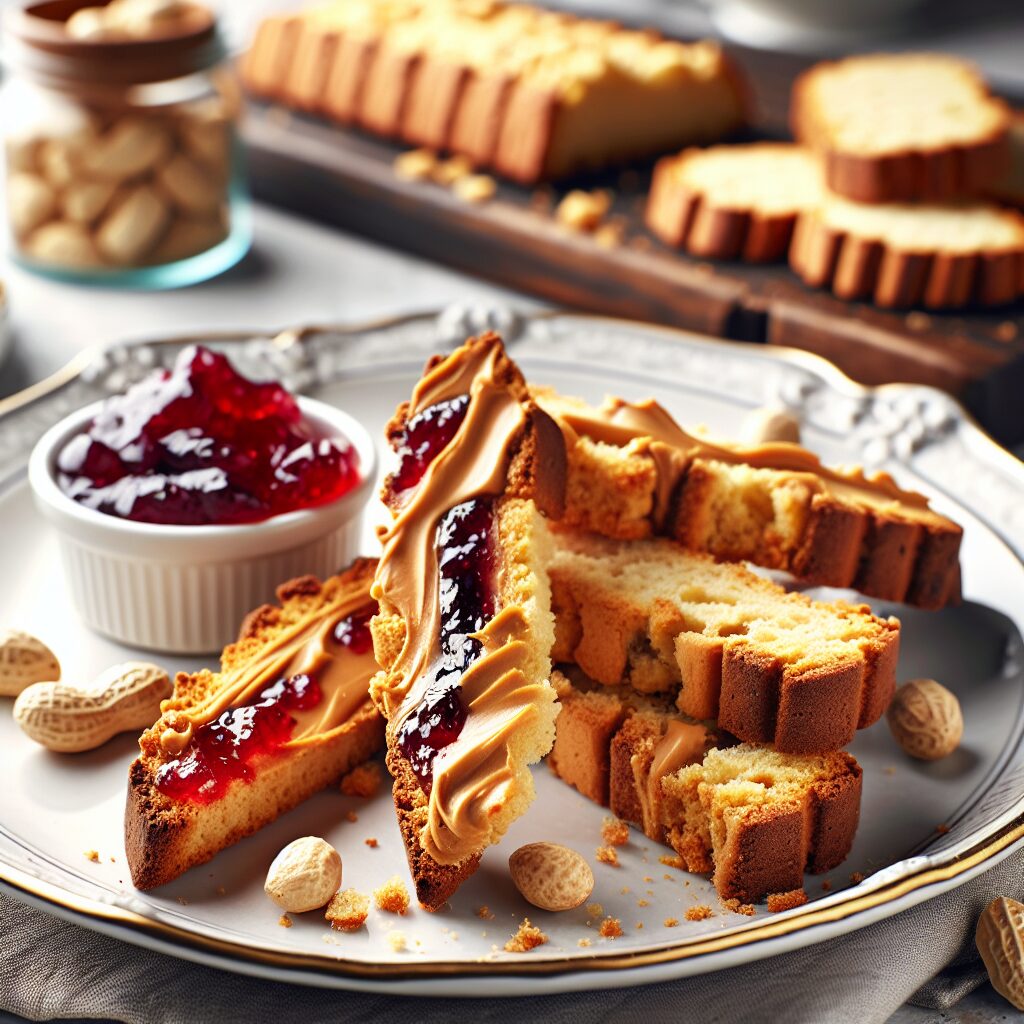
(308, 646)
(683, 743)
(472, 776)
(621, 423)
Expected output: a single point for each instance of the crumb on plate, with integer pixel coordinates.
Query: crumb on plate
(780, 901)
(348, 910)
(526, 938)
(392, 897)
(614, 832)
(607, 855)
(611, 928)
(699, 913)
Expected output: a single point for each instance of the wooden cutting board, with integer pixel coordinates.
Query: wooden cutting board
(347, 179)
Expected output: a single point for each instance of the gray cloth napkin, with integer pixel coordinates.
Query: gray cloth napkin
(51, 969)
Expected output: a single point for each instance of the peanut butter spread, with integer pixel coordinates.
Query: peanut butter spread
(475, 775)
(649, 429)
(683, 743)
(306, 647)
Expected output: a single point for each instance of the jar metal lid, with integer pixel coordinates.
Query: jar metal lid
(36, 43)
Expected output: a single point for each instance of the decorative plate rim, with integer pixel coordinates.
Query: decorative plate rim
(943, 870)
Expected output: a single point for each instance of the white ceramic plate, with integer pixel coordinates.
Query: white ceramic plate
(925, 827)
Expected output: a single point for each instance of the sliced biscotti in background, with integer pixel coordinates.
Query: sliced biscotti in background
(633, 472)
(288, 713)
(464, 630)
(903, 126)
(721, 642)
(937, 256)
(530, 93)
(733, 202)
(755, 817)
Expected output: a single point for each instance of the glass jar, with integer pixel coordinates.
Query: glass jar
(123, 164)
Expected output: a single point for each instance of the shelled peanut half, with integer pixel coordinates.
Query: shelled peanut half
(144, 187)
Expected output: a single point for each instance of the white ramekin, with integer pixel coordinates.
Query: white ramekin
(186, 589)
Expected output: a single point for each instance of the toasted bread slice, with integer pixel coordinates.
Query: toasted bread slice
(179, 812)
(465, 625)
(723, 643)
(937, 256)
(755, 817)
(902, 127)
(733, 202)
(634, 473)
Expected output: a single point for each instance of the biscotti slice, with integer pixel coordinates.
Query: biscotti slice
(756, 817)
(465, 625)
(288, 712)
(903, 126)
(634, 472)
(723, 643)
(733, 202)
(531, 93)
(936, 256)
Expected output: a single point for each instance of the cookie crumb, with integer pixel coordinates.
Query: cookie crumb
(614, 832)
(348, 910)
(183, 901)
(92, 855)
(284, 921)
(780, 901)
(371, 842)
(826, 886)
(889, 769)
(673, 862)
(484, 913)
(607, 855)
(670, 922)
(392, 897)
(611, 928)
(396, 940)
(583, 211)
(594, 910)
(856, 877)
(583, 943)
(364, 780)
(351, 816)
(647, 878)
(747, 909)
(475, 188)
(643, 903)
(415, 165)
(699, 913)
(942, 828)
(526, 938)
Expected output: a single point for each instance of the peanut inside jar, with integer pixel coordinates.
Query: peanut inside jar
(118, 133)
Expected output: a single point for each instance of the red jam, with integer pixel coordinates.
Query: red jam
(223, 750)
(423, 438)
(200, 444)
(466, 560)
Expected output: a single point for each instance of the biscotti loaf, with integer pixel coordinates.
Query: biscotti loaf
(465, 625)
(755, 817)
(634, 472)
(288, 712)
(892, 127)
(937, 256)
(721, 642)
(733, 202)
(530, 93)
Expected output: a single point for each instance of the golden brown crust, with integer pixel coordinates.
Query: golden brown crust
(866, 269)
(767, 848)
(692, 219)
(164, 837)
(934, 174)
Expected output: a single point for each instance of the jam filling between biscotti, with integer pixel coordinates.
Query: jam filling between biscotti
(423, 437)
(200, 444)
(467, 779)
(465, 555)
(225, 749)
